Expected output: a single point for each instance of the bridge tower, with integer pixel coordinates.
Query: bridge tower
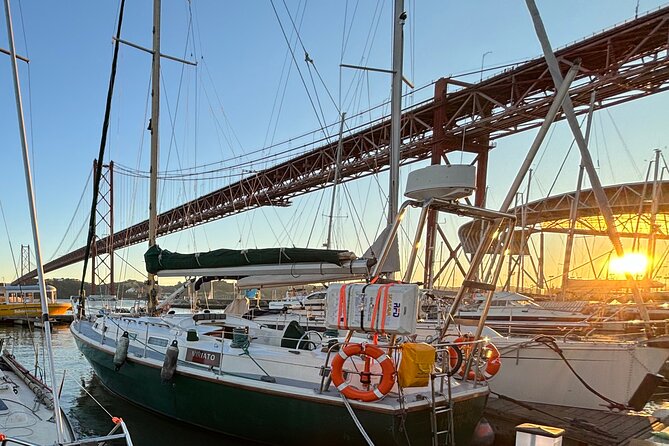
(25, 259)
(102, 251)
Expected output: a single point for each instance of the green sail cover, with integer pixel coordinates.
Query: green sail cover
(158, 259)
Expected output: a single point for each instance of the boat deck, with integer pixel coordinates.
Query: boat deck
(22, 416)
(582, 426)
(413, 396)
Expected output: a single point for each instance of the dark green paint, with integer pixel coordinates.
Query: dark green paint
(265, 417)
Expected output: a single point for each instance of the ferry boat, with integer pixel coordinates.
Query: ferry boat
(23, 302)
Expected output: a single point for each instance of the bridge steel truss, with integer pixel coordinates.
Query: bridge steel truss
(631, 204)
(621, 64)
(102, 252)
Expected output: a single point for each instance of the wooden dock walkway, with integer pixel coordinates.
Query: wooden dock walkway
(582, 426)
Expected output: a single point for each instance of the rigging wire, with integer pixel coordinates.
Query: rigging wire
(9, 240)
(564, 161)
(366, 51)
(292, 53)
(30, 90)
(76, 211)
(283, 84)
(172, 118)
(288, 142)
(627, 150)
(310, 60)
(103, 142)
(235, 138)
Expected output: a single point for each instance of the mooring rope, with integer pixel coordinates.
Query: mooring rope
(356, 421)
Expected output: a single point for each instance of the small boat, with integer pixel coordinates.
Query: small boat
(26, 406)
(27, 411)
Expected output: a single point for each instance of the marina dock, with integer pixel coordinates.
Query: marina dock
(582, 426)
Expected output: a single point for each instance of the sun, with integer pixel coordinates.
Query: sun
(633, 263)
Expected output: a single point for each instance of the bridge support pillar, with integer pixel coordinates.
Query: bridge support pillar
(102, 260)
(438, 150)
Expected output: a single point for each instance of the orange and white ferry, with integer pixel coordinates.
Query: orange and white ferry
(23, 302)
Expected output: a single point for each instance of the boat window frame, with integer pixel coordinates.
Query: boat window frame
(153, 341)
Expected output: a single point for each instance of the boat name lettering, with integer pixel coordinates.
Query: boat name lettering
(396, 309)
(203, 357)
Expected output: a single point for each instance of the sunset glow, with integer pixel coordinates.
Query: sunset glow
(633, 263)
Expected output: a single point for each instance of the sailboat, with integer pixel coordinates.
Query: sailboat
(218, 371)
(34, 415)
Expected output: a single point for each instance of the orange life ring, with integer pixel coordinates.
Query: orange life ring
(352, 392)
(490, 352)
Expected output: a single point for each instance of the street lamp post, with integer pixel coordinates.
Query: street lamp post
(482, 60)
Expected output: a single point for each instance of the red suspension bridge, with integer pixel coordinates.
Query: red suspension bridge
(624, 63)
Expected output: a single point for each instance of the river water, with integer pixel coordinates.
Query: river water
(86, 416)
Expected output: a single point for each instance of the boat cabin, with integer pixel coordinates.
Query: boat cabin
(504, 299)
(16, 294)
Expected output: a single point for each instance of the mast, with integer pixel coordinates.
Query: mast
(396, 108)
(33, 220)
(586, 159)
(152, 300)
(336, 179)
(573, 211)
(652, 236)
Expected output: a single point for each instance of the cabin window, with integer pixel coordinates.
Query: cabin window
(161, 342)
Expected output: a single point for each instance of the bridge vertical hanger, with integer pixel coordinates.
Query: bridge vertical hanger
(586, 159)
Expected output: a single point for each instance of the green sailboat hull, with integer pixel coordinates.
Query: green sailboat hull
(265, 416)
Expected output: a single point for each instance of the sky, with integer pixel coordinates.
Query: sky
(246, 102)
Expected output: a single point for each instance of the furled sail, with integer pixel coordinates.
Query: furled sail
(158, 259)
